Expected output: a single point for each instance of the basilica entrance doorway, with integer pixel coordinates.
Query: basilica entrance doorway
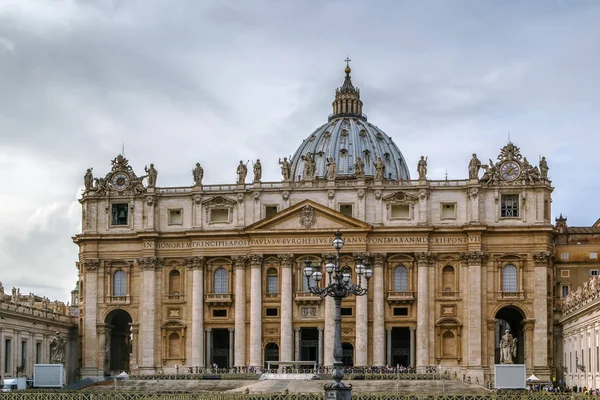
(348, 354)
(271, 353)
(510, 318)
(220, 348)
(117, 346)
(400, 347)
(309, 343)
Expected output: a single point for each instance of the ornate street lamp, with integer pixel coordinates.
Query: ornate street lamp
(340, 286)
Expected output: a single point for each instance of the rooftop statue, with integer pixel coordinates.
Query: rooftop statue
(544, 168)
(359, 168)
(257, 169)
(152, 175)
(198, 174)
(474, 166)
(422, 168)
(88, 180)
(241, 171)
(286, 169)
(379, 169)
(331, 168)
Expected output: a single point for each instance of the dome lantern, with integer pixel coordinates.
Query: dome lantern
(347, 101)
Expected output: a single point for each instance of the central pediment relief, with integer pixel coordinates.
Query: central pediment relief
(401, 197)
(218, 201)
(308, 215)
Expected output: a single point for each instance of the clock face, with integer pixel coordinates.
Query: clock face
(510, 170)
(120, 181)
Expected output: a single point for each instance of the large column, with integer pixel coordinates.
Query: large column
(320, 347)
(389, 346)
(423, 260)
(540, 310)
(329, 327)
(474, 260)
(296, 344)
(148, 265)
(378, 307)
(90, 368)
(231, 352)
(239, 264)
(360, 345)
(287, 291)
(255, 311)
(196, 264)
(413, 346)
(209, 348)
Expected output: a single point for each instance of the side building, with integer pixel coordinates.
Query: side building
(212, 274)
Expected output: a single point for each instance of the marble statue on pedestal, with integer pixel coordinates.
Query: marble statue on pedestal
(57, 350)
(508, 348)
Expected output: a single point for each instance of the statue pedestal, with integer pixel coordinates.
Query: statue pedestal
(510, 376)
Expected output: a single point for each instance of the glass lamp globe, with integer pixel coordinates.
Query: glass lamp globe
(360, 269)
(346, 277)
(318, 276)
(308, 271)
(338, 243)
(368, 273)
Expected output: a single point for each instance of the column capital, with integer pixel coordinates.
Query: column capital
(542, 258)
(320, 329)
(231, 330)
(150, 263)
(412, 328)
(91, 264)
(286, 260)
(256, 260)
(379, 260)
(474, 258)
(195, 262)
(208, 330)
(491, 324)
(297, 330)
(388, 328)
(425, 259)
(528, 324)
(239, 262)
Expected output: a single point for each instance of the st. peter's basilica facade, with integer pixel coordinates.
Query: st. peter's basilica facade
(212, 274)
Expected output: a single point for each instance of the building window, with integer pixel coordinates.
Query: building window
(272, 281)
(346, 209)
(119, 283)
(546, 209)
(346, 311)
(565, 273)
(400, 211)
(174, 283)
(448, 279)
(175, 217)
(564, 256)
(23, 355)
(174, 346)
(7, 356)
(220, 277)
(271, 312)
(594, 272)
(448, 211)
(509, 206)
(270, 211)
(400, 311)
(509, 278)
(219, 215)
(593, 255)
(38, 353)
(400, 279)
(119, 214)
(219, 313)
(564, 291)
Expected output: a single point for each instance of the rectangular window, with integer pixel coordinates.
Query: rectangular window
(509, 207)
(271, 312)
(593, 255)
(23, 355)
(7, 356)
(346, 311)
(272, 284)
(546, 210)
(400, 211)
(346, 209)
(565, 291)
(594, 272)
(270, 211)
(219, 313)
(564, 256)
(219, 215)
(38, 353)
(400, 311)
(119, 214)
(448, 211)
(175, 217)
(565, 273)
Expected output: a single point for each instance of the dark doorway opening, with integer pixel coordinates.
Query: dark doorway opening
(117, 348)
(511, 319)
(347, 354)
(220, 348)
(309, 343)
(401, 346)
(271, 353)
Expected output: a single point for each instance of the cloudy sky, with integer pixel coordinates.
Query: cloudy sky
(179, 82)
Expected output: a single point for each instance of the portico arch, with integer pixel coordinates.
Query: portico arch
(117, 344)
(510, 318)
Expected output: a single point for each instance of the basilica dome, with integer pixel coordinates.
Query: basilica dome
(346, 137)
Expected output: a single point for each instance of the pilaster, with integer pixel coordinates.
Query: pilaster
(148, 329)
(378, 311)
(239, 265)
(196, 265)
(542, 262)
(91, 367)
(255, 311)
(286, 307)
(423, 262)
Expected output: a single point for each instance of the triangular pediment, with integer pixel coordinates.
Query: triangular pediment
(401, 197)
(308, 215)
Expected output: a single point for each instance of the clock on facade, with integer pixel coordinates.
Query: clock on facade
(510, 170)
(120, 181)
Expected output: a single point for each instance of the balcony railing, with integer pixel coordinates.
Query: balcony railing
(511, 295)
(119, 299)
(307, 297)
(401, 297)
(272, 295)
(218, 298)
(447, 293)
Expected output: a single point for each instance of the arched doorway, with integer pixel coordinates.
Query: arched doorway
(347, 354)
(117, 347)
(271, 353)
(510, 318)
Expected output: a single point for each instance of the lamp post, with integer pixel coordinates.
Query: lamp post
(340, 286)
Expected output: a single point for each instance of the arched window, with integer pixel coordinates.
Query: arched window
(448, 279)
(400, 279)
(174, 346)
(272, 281)
(305, 283)
(174, 283)
(509, 278)
(221, 281)
(119, 283)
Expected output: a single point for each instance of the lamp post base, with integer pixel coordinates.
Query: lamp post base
(338, 391)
